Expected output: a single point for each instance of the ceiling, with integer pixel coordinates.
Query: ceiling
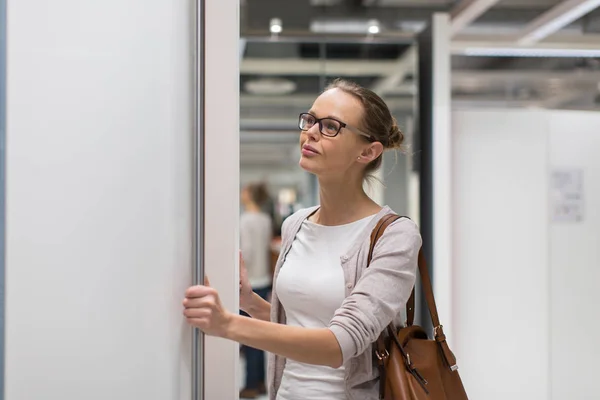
(322, 39)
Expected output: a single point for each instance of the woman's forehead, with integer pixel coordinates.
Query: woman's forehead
(338, 104)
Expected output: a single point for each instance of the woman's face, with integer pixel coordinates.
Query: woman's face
(245, 197)
(330, 157)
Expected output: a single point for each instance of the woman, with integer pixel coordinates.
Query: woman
(255, 242)
(327, 308)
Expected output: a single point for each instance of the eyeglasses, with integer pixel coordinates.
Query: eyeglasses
(327, 126)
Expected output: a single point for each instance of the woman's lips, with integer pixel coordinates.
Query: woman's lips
(309, 151)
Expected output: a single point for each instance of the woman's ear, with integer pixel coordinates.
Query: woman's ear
(371, 152)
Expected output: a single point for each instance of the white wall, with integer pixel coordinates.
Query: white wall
(500, 303)
(99, 198)
(575, 262)
(442, 169)
(526, 288)
(221, 199)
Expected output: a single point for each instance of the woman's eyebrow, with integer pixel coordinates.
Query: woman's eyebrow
(311, 111)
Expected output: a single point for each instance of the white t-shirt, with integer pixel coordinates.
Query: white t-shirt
(255, 243)
(310, 286)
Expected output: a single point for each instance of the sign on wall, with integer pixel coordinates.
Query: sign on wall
(567, 195)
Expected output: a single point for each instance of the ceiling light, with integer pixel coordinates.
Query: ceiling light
(333, 26)
(412, 26)
(530, 52)
(373, 27)
(276, 26)
(270, 86)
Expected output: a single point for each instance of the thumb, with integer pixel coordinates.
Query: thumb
(206, 281)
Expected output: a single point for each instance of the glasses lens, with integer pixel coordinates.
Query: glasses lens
(330, 127)
(306, 121)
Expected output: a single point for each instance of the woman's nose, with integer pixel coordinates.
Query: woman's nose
(314, 132)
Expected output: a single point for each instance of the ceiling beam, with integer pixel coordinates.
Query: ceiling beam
(556, 18)
(562, 98)
(294, 66)
(556, 46)
(393, 71)
(461, 77)
(405, 65)
(467, 11)
(302, 102)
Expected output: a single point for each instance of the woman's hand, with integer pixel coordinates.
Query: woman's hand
(246, 293)
(203, 309)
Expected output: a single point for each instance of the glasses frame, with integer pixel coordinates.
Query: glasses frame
(319, 121)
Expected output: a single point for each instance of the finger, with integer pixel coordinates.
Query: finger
(206, 281)
(200, 302)
(197, 313)
(199, 291)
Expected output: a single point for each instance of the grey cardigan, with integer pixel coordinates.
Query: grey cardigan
(374, 297)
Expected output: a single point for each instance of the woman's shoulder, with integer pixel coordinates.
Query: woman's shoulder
(404, 224)
(297, 217)
(403, 229)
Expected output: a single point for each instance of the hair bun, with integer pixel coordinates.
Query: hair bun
(395, 136)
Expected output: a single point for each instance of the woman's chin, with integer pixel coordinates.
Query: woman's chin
(307, 164)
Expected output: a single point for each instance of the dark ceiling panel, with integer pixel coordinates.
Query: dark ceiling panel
(271, 50)
(355, 51)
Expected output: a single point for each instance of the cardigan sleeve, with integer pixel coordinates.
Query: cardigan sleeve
(382, 290)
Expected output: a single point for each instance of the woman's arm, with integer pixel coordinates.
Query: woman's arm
(251, 303)
(258, 308)
(382, 290)
(203, 309)
(306, 345)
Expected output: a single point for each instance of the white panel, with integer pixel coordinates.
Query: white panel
(222, 185)
(500, 241)
(442, 172)
(99, 195)
(575, 261)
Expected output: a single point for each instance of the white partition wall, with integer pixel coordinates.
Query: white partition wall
(99, 197)
(501, 310)
(575, 261)
(527, 278)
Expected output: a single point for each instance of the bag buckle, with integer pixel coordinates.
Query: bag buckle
(382, 356)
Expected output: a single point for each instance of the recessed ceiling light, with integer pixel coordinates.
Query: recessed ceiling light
(275, 25)
(270, 86)
(373, 27)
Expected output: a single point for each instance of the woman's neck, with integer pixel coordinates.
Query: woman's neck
(342, 204)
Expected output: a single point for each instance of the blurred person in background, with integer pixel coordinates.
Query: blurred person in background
(255, 242)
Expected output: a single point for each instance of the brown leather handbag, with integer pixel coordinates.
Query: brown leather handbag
(411, 366)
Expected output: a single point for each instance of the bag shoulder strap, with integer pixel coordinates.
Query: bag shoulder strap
(377, 232)
(426, 285)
